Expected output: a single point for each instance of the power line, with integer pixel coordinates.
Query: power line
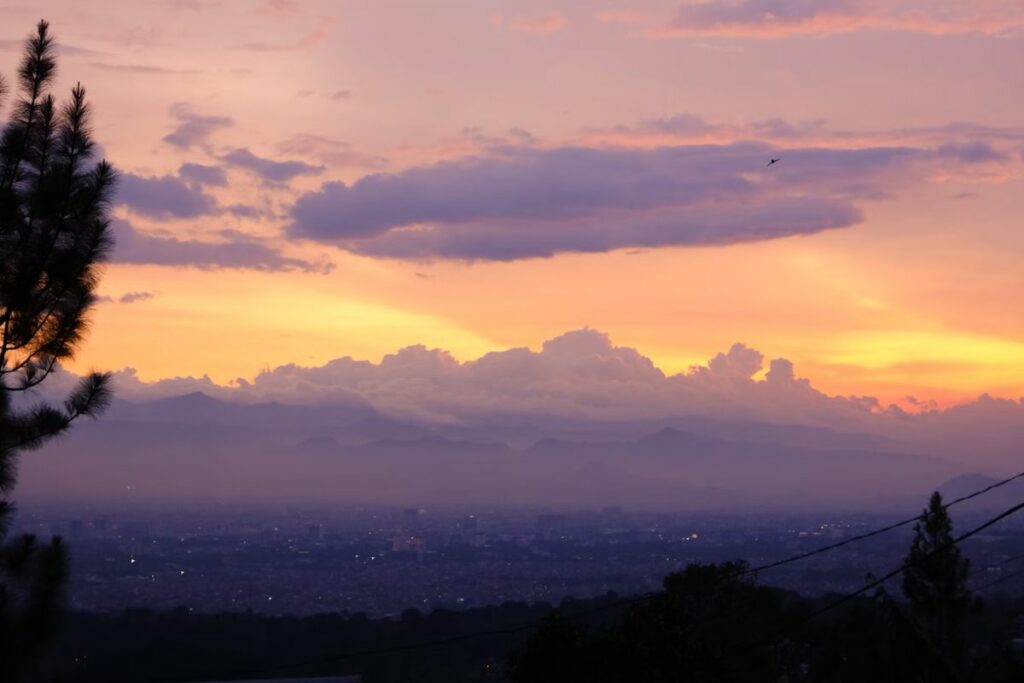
(878, 532)
(906, 565)
(626, 602)
(875, 583)
(999, 580)
(982, 570)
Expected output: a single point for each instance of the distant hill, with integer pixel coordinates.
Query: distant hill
(196, 446)
(198, 408)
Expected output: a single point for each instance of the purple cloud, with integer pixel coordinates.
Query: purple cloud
(214, 176)
(524, 202)
(519, 184)
(238, 251)
(506, 240)
(513, 201)
(782, 17)
(269, 170)
(247, 211)
(164, 197)
(132, 297)
(712, 15)
(193, 129)
(128, 298)
(975, 152)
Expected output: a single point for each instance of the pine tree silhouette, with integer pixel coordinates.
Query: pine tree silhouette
(54, 234)
(935, 584)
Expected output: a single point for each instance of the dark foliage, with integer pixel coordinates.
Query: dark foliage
(141, 646)
(54, 204)
(582, 640)
(935, 585)
(704, 626)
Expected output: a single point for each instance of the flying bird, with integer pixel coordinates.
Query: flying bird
(773, 161)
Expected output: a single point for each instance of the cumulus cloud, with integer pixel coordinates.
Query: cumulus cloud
(163, 197)
(766, 18)
(580, 375)
(235, 251)
(193, 129)
(269, 170)
(516, 202)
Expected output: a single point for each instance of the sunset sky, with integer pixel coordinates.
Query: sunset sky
(307, 180)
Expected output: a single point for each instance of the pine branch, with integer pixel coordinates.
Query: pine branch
(54, 234)
(37, 70)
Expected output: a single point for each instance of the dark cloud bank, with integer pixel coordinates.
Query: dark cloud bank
(521, 202)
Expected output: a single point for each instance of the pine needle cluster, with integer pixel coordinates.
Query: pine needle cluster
(54, 238)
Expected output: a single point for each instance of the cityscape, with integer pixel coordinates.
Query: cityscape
(383, 561)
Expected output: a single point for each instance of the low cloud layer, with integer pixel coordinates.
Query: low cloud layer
(580, 375)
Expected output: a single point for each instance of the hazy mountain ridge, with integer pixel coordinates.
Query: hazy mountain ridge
(348, 422)
(196, 446)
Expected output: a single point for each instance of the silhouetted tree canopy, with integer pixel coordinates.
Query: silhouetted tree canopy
(705, 626)
(54, 235)
(935, 584)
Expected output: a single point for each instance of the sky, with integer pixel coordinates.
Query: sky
(306, 181)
